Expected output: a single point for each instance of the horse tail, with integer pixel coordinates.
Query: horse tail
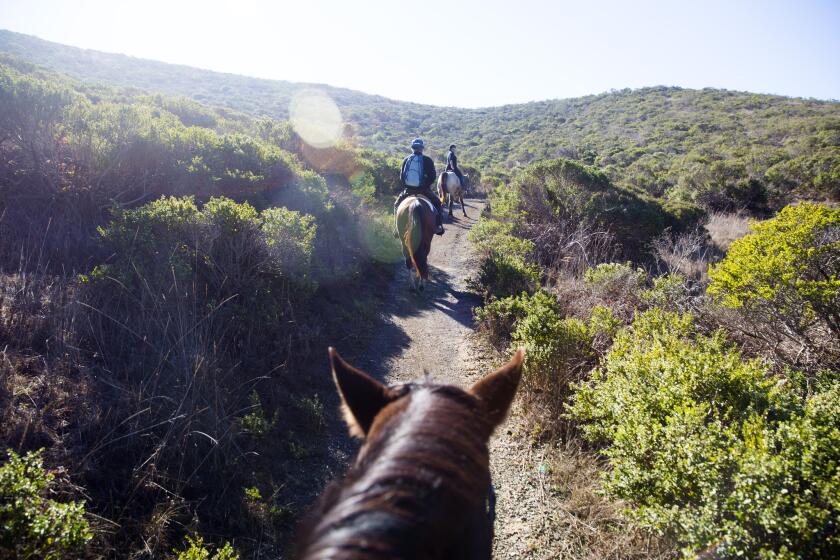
(413, 222)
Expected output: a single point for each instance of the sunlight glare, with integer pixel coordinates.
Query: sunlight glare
(316, 118)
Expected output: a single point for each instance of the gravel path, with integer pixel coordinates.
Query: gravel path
(430, 330)
(433, 332)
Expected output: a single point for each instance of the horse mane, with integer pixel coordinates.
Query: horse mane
(417, 483)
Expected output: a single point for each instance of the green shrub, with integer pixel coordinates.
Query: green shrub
(289, 237)
(226, 244)
(787, 270)
(32, 526)
(603, 326)
(498, 317)
(505, 269)
(785, 497)
(670, 292)
(709, 448)
(196, 550)
(500, 276)
(614, 277)
(556, 347)
(493, 236)
(682, 217)
(256, 423)
(574, 196)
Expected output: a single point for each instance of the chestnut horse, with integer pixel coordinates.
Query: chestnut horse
(416, 226)
(449, 189)
(420, 485)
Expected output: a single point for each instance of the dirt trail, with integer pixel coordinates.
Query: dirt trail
(430, 330)
(434, 332)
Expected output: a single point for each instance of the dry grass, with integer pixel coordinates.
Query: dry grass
(582, 523)
(550, 506)
(137, 398)
(724, 228)
(688, 254)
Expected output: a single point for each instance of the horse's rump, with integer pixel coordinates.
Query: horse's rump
(418, 196)
(415, 222)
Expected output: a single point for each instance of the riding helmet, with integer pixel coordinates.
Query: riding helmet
(418, 144)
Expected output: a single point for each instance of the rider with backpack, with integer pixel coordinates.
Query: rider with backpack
(452, 164)
(417, 176)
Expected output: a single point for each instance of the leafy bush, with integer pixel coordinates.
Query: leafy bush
(226, 242)
(32, 526)
(615, 277)
(709, 448)
(603, 326)
(186, 296)
(560, 197)
(557, 348)
(499, 317)
(788, 267)
(501, 276)
(255, 422)
(289, 236)
(493, 236)
(198, 551)
(781, 286)
(670, 292)
(505, 269)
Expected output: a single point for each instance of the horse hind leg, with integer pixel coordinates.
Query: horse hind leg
(463, 206)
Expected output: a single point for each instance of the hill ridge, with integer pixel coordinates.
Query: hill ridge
(719, 148)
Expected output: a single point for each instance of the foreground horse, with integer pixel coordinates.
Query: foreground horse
(449, 189)
(420, 485)
(416, 226)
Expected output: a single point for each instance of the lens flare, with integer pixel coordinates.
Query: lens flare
(316, 118)
(379, 241)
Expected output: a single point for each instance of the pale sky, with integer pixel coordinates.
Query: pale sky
(468, 53)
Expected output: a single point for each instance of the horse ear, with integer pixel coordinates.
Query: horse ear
(497, 389)
(362, 397)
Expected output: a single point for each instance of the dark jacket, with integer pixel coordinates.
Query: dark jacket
(429, 173)
(451, 162)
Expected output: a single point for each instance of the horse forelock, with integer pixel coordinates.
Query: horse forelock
(422, 469)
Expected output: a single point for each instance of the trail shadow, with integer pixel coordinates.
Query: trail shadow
(391, 340)
(387, 340)
(458, 218)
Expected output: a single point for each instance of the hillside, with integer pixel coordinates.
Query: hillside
(716, 147)
(174, 258)
(205, 236)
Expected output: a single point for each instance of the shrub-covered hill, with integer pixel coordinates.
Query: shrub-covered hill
(169, 274)
(716, 147)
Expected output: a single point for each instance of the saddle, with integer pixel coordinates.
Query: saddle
(422, 197)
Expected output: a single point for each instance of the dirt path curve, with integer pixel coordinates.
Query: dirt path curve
(434, 332)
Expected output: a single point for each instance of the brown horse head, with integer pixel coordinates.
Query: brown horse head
(420, 485)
